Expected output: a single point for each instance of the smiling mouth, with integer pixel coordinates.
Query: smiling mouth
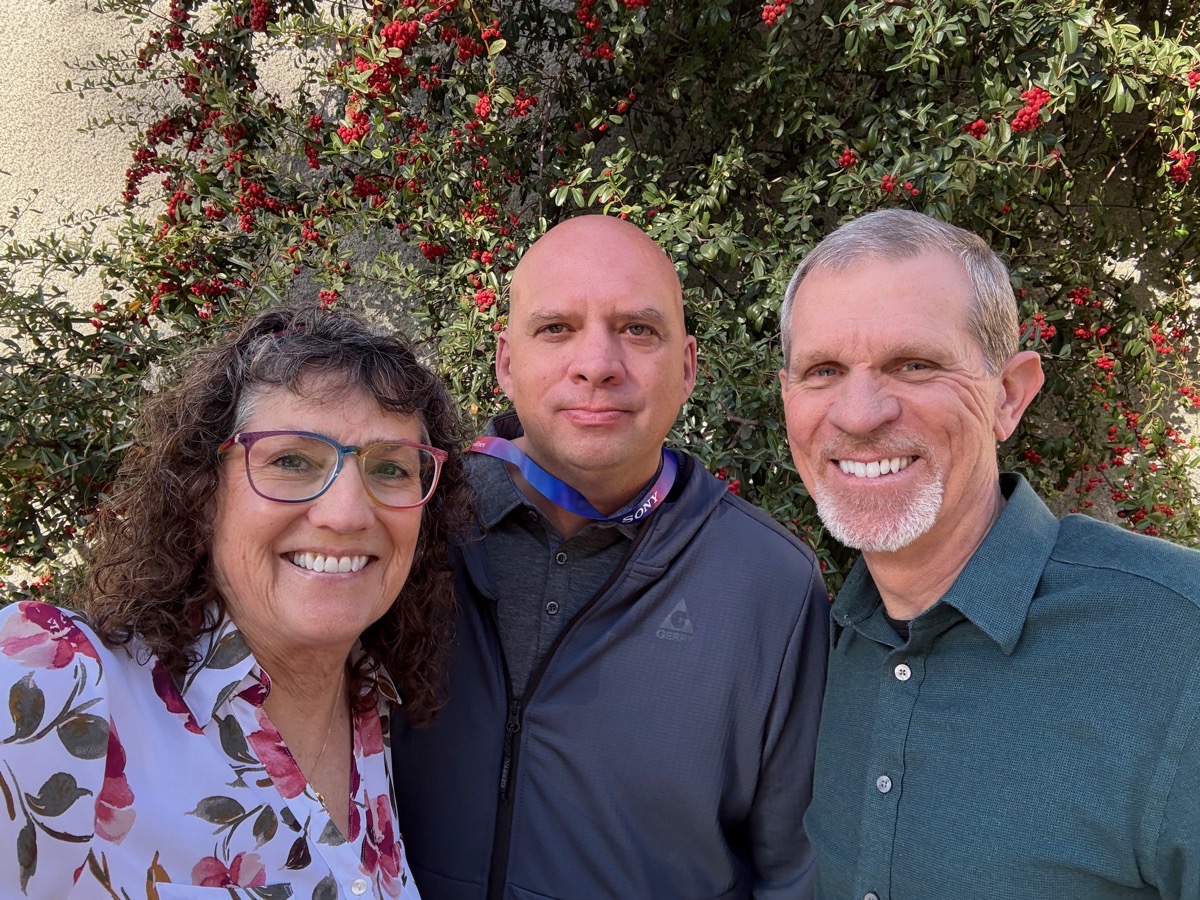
(875, 468)
(319, 562)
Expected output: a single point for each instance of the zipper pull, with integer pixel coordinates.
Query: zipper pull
(511, 727)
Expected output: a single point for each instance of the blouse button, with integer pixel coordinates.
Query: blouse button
(358, 887)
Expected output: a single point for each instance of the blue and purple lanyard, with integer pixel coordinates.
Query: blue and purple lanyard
(562, 494)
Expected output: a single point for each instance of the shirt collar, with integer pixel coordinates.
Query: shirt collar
(998, 583)
(226, 667)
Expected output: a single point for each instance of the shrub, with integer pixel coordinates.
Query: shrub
(418, 147)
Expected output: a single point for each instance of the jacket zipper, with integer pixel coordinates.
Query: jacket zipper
(502, 840)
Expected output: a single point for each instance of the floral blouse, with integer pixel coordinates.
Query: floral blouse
(118, 781)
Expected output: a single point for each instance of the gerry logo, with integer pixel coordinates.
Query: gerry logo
(677, 626)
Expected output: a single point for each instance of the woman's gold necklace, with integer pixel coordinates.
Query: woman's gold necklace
(328, 732)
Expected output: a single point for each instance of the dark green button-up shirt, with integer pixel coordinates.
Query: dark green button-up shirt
(1037, 736)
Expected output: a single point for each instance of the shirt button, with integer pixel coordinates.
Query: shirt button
(883, 783)
(560, 557)
(358, 886)
(903, 672)
(552, 608)
(870, 895)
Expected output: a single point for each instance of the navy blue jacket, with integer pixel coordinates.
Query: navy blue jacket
(664, 746)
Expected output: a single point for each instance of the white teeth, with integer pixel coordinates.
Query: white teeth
(875, 468)
(319, 562)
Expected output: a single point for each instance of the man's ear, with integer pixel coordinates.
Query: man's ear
(503, 363)
(1020, 380)
(689, 365)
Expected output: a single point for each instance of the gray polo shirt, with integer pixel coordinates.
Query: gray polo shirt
(542, 580)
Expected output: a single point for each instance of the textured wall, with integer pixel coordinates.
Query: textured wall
(41, 146)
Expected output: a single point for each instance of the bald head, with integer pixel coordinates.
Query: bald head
(596, 358)
(594, 248)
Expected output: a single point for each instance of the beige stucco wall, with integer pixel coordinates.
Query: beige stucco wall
(41, 147)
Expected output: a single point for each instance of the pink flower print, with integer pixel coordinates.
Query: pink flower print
(169, 694)
(276, 758)
(257, 693)
(369, 732)
(244, 870)
(41, 636)
(114, 812)
(381, 850)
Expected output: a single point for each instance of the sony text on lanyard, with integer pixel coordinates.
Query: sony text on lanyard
(562, 494)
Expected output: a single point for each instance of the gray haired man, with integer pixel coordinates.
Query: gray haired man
(1013, 705)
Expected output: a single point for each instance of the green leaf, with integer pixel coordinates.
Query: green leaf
(27, 853)
(233, 740)
(57, 795)
(230, 651)
(497, 46)
(84, 736)
(330, 835)
(265, 826)
(1070, 35)
(27, 704)
(219, 810)
(326, 889)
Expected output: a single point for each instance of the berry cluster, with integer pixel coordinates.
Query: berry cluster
(1029, 117)
(890, 185)
(976, 129)
(772, 12)
(848, 158)
(1180, 172)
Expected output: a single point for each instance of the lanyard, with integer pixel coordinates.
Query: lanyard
(561, 494)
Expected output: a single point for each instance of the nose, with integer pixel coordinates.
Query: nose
(345, 506)
(863, 404)
(597, 358)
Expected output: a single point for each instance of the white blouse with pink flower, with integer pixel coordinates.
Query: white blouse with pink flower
(118, 781)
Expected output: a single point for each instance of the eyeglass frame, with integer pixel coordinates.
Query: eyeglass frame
(247, 439)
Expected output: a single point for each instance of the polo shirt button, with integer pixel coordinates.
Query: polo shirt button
(903, 672)
(552, 608)
(883, 783)
(358, 887)
(870, 895)
(560, 558)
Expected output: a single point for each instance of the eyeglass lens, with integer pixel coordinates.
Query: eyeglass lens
(293, 467)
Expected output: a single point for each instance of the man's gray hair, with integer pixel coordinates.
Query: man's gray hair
(902, 234)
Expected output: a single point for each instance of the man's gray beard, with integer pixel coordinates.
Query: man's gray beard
(863, 523)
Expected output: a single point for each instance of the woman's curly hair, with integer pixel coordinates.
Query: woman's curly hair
(149, 575)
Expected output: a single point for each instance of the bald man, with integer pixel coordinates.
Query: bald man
(640, 655)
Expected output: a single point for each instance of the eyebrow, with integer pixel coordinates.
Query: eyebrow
(804, 360)
(650, 314)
